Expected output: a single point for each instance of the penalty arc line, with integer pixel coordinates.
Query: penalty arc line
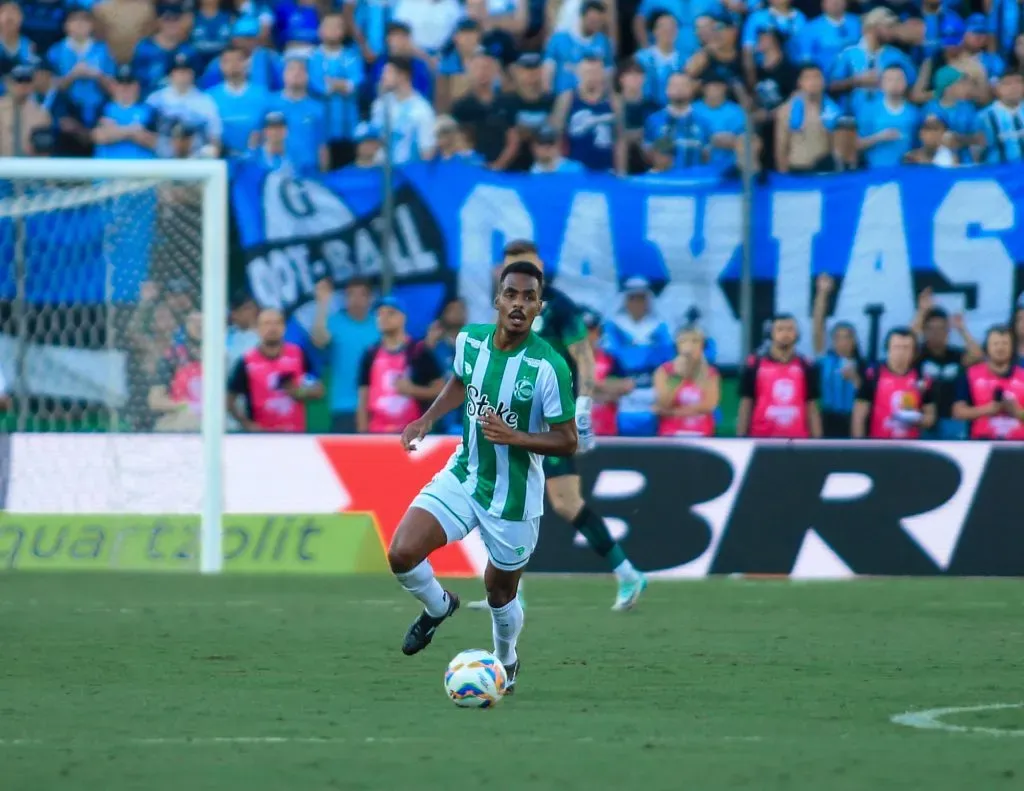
(931, 719)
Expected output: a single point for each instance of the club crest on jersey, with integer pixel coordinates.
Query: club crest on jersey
(523, 390)
(478, 404)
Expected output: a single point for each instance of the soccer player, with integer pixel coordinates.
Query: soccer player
(518, 397)
(560, 323)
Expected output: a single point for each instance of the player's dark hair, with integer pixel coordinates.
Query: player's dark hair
(519, 247)
(523, 268)
(936, 313)
(402, 63)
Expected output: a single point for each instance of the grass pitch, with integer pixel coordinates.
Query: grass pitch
(113, 682)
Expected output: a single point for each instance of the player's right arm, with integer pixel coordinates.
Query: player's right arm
(452, 395)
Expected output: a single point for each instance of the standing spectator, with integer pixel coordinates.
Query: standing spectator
(678, 122)
(779, 389)
(452, 78)
(368, 146)
(840, 365)
(154, 56)
(304, 116)
(990, 394)
(14, 47)
(275, 379)
(893, 401)
(431, 25)
(176, 395)
(685, 13)
(16, 139)
(663, 58)
(262, 66)
(181, 104)
(1002, 122)
(368, 20)
(804, 127)
(826, 36)
(952, 52)
(240, 103)
(566, 50)
(528, 107)
(211, 32)
(776, 81)
(639, 341)
(483, 114)
(336, 73)
(398, 378)
(662, 156)
(42, 22)
(399, 45)
(295, 25)
(441, 341)
(932, 151)
(887, 128)
(939, 23)
(412, 117)
(242, 335)
(546, 155)
(346, 335)
(941, 362)
(688, 389)
(1007, 25)
(452, 144)
(271, 151)
(950, 105)
(719, 55)
(1018, 328)
(609, 386)
(83, 65)
(726, 124)
(779, 16)
(127, 127)
(590, 117)
(636, 109)
(977, 45)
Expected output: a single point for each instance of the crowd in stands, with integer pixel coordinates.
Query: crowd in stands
(600, 85)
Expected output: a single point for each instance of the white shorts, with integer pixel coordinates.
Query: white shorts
(509, 544)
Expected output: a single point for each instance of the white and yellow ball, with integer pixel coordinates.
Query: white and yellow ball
(475, 679)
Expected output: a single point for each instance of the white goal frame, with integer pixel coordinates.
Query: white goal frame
(213, 176)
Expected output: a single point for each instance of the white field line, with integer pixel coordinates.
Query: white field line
(931, 719)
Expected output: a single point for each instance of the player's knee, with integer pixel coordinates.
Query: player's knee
(401, 558)
(501, 591)
(567, 505)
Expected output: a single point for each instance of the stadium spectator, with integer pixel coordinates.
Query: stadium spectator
(609, 387)
(662, 156)
(547, 158)
(400, 46)
(953, 53)
(679, 123)
(940, 25)
(887, 127)
(274, 379)
(127, 127)
(83, 65)
(826, 36)
(725, 122)
(639, 341)
(42, 22)
(590, 118)
(211, 32)
(272, 148)
(840, 365)
(960, 117)
(567, 50)
(933, 150)
(369, 153)
(440, 339)
(719, 54)
(176, 396)
(452, 78)
(978, 43)
(155, 56)
(688, 389)
(263, 66)
(686, 15)
(14, 47)
(304, 116)
(183, 106)
(776, 81)
(20, 113)
(452, 142)
(346, 335)
(663, 58)
(1018, 328)
(942, 363)
(780, 16)
(430, 25)
(240, 103)
(1002, 122)
(484, 114)
(398, 377)
(72, 137)
(528, 107)
(411, 116)
(990, 393)
(893, 401)
(336, 73)
(241, 333)
(296, 25)
(779, 390)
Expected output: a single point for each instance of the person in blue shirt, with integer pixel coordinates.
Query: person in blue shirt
(368, 20)
(725, 122)
(1006, 18)
(977, 42)
(400, 44)
(824, 37)
(271, 150)
(590, 116)
(241, 104)
(546, 156)
(345, 334)
(369, 151)
(779, 16)
(662, 58)
(14, 47)
(211, 32)
(127, 127)
(336, 73)
(678, 122)
(1002, 122)
(566, 49)
(83, 65)
(307, 133)
(841, 368)
(887, 128)
(452, 80)
(154, 55)
(686, 13)
(959, 115)
(263, 65)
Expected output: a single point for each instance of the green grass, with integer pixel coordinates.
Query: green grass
(708, 685)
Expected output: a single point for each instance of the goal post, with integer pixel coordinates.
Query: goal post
(55, 189)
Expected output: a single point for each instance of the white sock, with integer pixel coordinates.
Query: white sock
(506, 624)
(422, 584)
(626, 572)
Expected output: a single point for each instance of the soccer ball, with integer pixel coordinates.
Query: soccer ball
(475, 679)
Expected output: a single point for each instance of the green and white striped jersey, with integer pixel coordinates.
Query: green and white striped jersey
(530, 388)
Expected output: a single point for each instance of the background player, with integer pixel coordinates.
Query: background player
(519, 406)
(561, 324)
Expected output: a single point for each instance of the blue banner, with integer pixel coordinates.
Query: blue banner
(884, 235)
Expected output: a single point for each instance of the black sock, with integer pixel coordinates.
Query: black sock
(594, 529)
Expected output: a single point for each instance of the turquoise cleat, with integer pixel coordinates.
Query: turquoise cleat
(629, 593)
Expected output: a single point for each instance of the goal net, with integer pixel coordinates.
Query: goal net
(112, 339)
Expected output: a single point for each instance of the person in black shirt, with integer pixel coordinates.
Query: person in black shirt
(943, 363)
(528, 108)
(482, 113)
(776, 80)
(636, 109)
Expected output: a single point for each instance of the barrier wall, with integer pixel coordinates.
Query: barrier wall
(684, 508)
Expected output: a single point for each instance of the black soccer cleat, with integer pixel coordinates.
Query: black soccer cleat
(422, 630)
(511, 671)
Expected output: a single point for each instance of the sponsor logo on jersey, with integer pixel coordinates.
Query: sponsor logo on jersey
(478, 404)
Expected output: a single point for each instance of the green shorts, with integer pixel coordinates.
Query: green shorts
(557, 466)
